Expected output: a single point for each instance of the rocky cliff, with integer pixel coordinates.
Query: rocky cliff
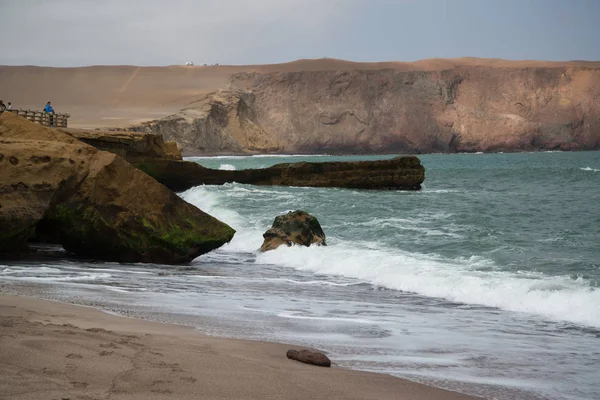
(328, 105)
(223, 122)
(457, 108)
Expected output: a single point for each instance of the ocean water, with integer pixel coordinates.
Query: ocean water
(487, 281)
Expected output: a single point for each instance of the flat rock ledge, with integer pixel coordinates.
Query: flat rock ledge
(398, 173)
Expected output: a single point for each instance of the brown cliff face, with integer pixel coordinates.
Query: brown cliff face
(327, 105)
(460, 109)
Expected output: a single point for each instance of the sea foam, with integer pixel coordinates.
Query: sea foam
(461, 280)
(558, 298)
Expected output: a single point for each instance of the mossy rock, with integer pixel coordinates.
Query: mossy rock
(152, 227)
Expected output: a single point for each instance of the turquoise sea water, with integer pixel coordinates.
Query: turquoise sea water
(487, 281)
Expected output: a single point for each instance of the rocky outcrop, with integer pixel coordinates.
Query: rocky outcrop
(222, 122)
(93, 202)
(131, 146)
(399, 173)
(295, 227)
(309, 357)
(456, 108)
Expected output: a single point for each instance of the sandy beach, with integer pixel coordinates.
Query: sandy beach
(51, 350)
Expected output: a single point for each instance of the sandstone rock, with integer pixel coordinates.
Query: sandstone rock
(309, 357)
(93, 202)
(399, 173)
(131, 146)
(295, 227)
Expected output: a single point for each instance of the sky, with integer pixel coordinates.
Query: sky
(167, 32)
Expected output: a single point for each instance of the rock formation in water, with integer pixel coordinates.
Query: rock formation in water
(399, 173)
(458, 109)
(93, 202)
(295, 227)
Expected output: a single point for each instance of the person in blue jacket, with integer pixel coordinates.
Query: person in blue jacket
(48, 109)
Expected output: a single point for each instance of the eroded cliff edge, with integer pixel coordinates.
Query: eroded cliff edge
(459, 109)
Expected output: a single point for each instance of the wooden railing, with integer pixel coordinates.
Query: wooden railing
(43, 118)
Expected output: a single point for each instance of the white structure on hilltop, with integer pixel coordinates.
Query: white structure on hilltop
(189, 63)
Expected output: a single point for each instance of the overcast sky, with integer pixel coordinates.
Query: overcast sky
(163, 32)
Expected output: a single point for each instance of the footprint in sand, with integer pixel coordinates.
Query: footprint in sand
(155, 387)
(80, 385)
(97, 330)
(174, 367)
(131, 336)
(188, 379)
(159, 382)
(104, 353)
(50, 371)
(129, 343)
(110, 345)
(162, 391)
(74, 355)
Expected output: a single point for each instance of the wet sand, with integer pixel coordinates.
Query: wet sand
(51, 350)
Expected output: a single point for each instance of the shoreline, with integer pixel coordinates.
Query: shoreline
(71, 351)
(186, 155)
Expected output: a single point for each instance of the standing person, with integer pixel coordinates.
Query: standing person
(49, 110)
(9, 106)
(2, 106)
